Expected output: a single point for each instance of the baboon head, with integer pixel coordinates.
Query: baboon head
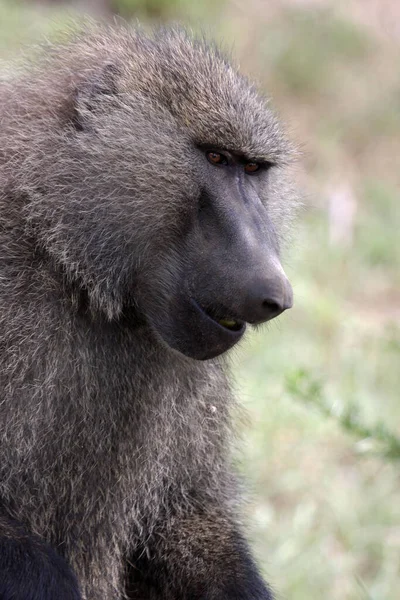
(160, 187)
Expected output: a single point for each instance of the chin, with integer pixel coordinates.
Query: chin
(197, 332)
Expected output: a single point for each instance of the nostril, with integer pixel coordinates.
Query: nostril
(271, 307)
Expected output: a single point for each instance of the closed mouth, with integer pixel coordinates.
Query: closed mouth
(221, 318)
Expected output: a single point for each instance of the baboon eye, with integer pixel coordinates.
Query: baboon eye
(216, 158)
(252, 167)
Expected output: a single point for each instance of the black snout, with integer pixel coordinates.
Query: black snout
(267, 298)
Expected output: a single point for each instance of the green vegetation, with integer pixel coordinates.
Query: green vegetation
(322, 383)
(162, 9)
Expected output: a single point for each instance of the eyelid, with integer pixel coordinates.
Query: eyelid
(264, 165)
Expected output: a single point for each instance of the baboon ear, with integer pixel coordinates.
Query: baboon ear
(89, 95)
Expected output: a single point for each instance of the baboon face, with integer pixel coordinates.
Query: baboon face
(170, 177)
(226, 268)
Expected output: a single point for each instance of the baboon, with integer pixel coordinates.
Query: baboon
(143, 200)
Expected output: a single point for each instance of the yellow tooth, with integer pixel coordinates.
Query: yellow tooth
(227, 323)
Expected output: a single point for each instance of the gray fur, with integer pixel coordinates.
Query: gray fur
(105, 431)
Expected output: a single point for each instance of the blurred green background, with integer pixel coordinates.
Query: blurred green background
(322, 384)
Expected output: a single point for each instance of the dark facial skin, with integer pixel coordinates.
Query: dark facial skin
(232, 273)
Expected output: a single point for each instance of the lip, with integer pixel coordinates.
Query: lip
(234, 333)
(193, 329)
